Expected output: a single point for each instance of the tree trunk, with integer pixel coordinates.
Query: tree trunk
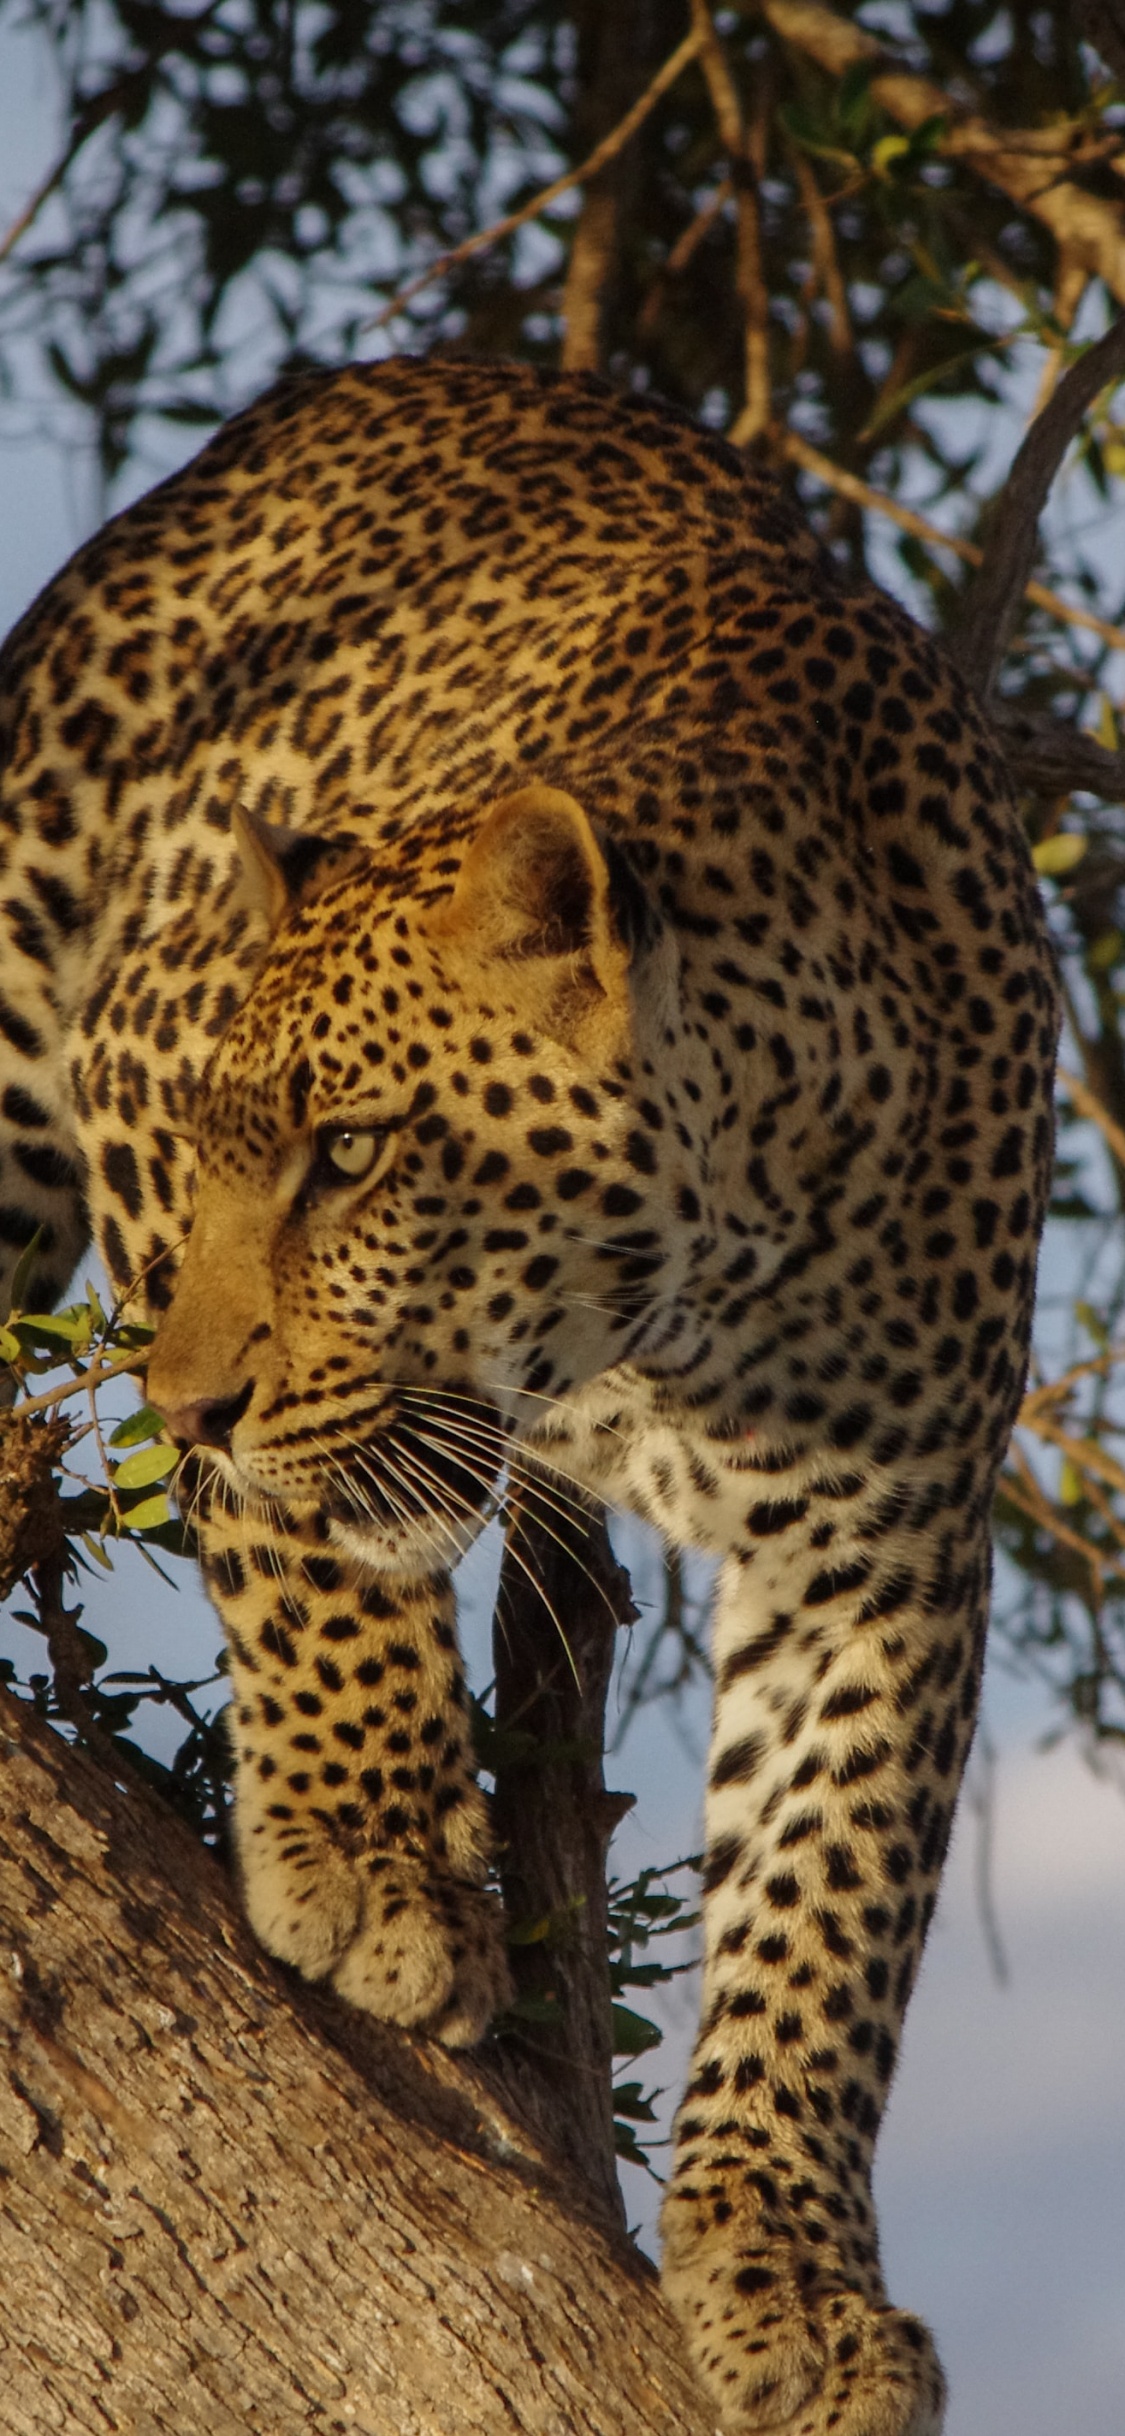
(232, 2205)
(562, 1598)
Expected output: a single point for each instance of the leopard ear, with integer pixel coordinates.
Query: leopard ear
(536, 884)
(276, 864)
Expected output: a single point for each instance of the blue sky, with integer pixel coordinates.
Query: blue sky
(1002, 2166)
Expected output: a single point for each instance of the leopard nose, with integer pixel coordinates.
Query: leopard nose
(212, 1420)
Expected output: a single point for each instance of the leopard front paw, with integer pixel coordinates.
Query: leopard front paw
(428, 1952)
(396, 1936)
(303, 1899)
(775, 2354)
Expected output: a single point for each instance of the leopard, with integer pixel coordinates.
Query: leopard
(529, 970)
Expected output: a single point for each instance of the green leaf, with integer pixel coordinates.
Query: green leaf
(149, 1516)
(538, 2009)
(94, 1549)
(24, 1267)
(627, 2145)
(853, 95)
(1104, 951)
(10, 1346)
(550, 1928)
(632, 2034)
(148, 1464)
(146, 1422)
(889, 148)
(1072, 1487)
(899, 399)
(530, 1932)
(927, 137)
(631, 2099)
(72, 1328)
(802, 129)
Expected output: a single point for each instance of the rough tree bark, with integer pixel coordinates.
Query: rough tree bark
(229, 2204)
(562, 1597)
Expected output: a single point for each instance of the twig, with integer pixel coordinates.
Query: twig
(34, 206)
(1088, 1105)
(103, 1451)
(592, 256)
(1055, 1391)
(801, 452)
(982, 1801)
(992, 603)
(1084, 1453)
(681, 254)
(752, 292)
(610, 145)
(1046, 1517)
(92, 115)
(825, 262)
(94, 1375)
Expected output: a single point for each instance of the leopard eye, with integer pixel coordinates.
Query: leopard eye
(348, 1153)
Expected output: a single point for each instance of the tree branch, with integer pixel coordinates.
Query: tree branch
(1046, 757)
(614, 31)
(562, 1598)
(606, 151)
(116, 97)
(752, 292)
(1030, 165)
(835, 477)
(1087, 1104)
(826, 272)
(991, 606)
(232, 2203)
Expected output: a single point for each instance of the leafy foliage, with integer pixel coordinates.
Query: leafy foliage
(62, 1519)
(643, 1911)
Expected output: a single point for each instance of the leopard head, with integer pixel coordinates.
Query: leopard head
(437, 1188)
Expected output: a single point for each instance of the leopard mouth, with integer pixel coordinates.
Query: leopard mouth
(411, 1475)
(425, 1457)
(435, 1458)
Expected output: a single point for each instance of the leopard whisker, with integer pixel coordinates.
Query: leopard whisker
(519, 1466)
(566, 1546)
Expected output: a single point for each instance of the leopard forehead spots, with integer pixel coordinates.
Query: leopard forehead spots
(523, 966)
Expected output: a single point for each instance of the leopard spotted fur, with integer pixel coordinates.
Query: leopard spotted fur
(616, 1040)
